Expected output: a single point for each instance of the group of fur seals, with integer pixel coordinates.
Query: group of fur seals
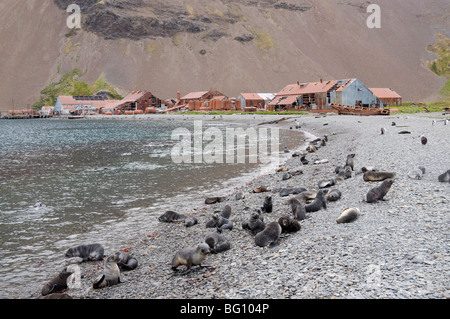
(221, 220)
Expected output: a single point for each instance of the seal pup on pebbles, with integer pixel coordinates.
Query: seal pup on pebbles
(291, 191)
(444, 178)
(348, 215)
(383, 131)
(57, 284)
(111, 273)
(288, 224)
(269, 236)
(319, 202)
(298, 209)
(213, 200)
(327, 183)
(255, 224)
(191, 256)
(373, 176)
(171, 217)
(267, 205)
(334, 195)
(190, 221)
(86, 252)
(417, 173)
(217, 243)
(220, 223)
(424, 140)
(125, 261)
(378, 193)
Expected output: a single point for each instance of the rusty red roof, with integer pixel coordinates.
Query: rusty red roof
(194, 95)
(251, 96)
(385, 93)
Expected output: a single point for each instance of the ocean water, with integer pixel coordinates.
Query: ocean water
(64, 183)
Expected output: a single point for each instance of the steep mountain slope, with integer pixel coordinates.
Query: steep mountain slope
(232, 46)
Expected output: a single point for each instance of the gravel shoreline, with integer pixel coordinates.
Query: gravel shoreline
(396, 249)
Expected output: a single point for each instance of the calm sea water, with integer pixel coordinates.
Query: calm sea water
(65, 183)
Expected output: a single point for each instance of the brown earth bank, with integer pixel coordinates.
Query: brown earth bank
(231, 46)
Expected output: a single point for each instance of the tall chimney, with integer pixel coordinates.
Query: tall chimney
(321, 81)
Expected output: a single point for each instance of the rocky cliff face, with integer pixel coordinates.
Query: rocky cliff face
(229, 45)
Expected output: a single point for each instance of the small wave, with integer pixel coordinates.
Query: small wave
(140, 166)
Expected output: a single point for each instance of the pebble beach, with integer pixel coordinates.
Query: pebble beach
(396, 249)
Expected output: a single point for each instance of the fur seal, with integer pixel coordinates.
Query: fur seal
(226, 212)
(213, 200)
(383, 131)
(190, 221)
(269, 236)
(286, 176)
(444, 178)
(57, 284)
(288, 224)
(298, 209)
(240, 195)
(303, 160)
(260, 189)
(417, 173)
(345, 173)
(424, 140)
(291, 191)
(319, 202)
(191, 256)
(217, 243)
(334, 195)
(378, 193)
(111, 273)
(87, 252)
(348, 215)
(255, 224)
(125, 261)
(170, 217)
(327, 183)
(267, 205)
(350, 161)
(221, 223)
(373, 176)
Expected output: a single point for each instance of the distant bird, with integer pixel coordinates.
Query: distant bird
(446, 122)
(424, 140)
(434, 122)
(383, 130)
(286, 149)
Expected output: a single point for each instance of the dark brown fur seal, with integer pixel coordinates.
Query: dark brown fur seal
(125, 261)
(86, 252)
(267, 205)
(269, 236)
(171, 217)
(348, 215)
(57, 284)
(217, 243)
(334, 195)
(372, 176)
(298, 209)
(220, 223)
(319, 202)
(213, 200)
(255, 224)
(444, 178)
(190, 256)
(378, 193)
(190, 221)
(226, 212)
(350, 161)
(288, 224)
